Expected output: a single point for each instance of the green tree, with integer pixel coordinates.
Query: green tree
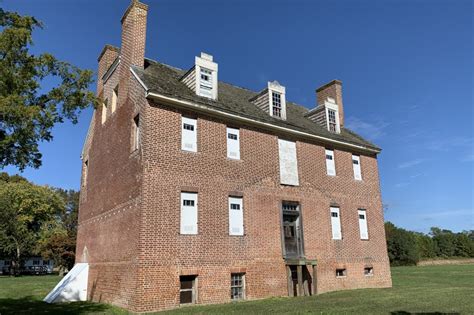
(444, 240)
(401, 246)
(24, 209)
(58, 237)
(426, 247)
(28, 112)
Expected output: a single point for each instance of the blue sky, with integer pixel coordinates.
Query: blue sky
(406, 67)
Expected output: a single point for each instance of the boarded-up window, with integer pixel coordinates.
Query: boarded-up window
(104, 111)
(187, 290)
(189, 134)
(288, 162)
(233, 143)
(335, 224)
(114, 98)
(364, 233)
(136, 133)
(205, 86)
(330, 164)
(236, 216)
(189, 213)
(356, 167)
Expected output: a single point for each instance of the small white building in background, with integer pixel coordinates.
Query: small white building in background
(35, 261)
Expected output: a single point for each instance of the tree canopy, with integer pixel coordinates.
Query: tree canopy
(28, 112)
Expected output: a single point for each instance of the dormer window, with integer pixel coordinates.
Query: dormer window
(276, 104)
(272, 100)
(332, 116)
(205, 87)
(202, 78)
(332, 120)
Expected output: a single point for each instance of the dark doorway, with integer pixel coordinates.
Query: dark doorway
(292, 230)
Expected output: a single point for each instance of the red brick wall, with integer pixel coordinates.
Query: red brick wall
(212, 254)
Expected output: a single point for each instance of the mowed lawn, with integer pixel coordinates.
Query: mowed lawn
(430, 289)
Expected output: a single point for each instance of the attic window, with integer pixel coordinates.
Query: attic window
(276, 104)
(205, 86)
(332, 120)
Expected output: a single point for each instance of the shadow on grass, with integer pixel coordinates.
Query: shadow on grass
(428, 313)
(29, 305)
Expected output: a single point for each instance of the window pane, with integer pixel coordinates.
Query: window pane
(186, 297)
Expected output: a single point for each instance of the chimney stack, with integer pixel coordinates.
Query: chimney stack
(106, 58)
(134, 34)
(332, 90)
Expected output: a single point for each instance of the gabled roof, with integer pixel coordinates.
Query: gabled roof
(164, 80)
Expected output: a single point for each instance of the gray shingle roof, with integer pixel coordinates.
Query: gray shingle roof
(163, 79)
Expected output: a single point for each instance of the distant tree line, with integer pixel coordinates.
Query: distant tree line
(407, 247)
(37, 221)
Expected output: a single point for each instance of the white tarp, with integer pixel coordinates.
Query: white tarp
(73, 287)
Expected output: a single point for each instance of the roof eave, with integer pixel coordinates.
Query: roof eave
(208, 110)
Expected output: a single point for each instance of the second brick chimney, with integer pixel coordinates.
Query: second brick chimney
(332, 90)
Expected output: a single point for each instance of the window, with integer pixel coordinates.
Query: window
(335, 224)
(85, 171)
(276, 104)
(356, 167)
(187, 290)
(36, 262)
(288, 162)
(114, 98)
(104, 111)
(189, 134)
(233, 143)
(237, 286)
(330, 164)
(368, 271)
(7, 263)
(364, 234)
(205, 86)
(332, 120)
(236, 216)
(341, 273)
(45, 262)
(189, 213)
(136, 133)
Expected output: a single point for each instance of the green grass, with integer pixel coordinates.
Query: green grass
(428, 290)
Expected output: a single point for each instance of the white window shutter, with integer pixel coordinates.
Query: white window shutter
(236, 216)
(189, 213)
(364, 233)
(288, 162)
(330, 164)
(189, 134)
(233, 143)
(335, 223)
(356, 167)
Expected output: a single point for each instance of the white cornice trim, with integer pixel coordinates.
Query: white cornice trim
(111, 70)
(206, 109)
(139, 81)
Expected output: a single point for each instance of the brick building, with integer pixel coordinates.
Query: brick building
(198, 191)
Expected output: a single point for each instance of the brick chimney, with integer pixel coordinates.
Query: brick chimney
(332, 90)
(106, 58)
(134, 34)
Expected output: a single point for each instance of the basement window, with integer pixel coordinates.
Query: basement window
(368, 271)
(341, 273)
(187, 291)
(237, 286)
